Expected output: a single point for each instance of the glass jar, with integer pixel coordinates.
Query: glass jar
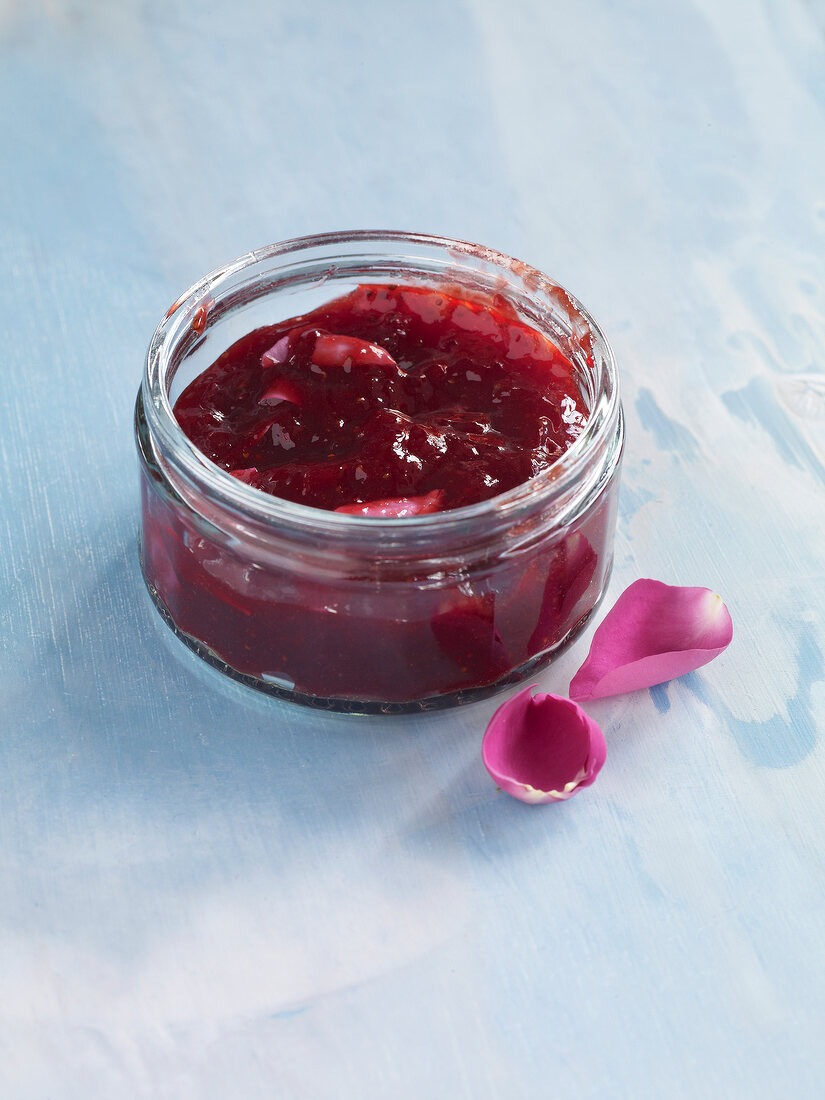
(363, 614)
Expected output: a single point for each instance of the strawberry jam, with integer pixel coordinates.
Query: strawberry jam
(390, 401)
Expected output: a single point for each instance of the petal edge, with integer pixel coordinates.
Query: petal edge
(542, 748)
(654, 632)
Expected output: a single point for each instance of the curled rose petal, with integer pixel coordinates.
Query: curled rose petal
(655, 632)
(278, 353)
(344, 351)
(542, 748)
(396, 507)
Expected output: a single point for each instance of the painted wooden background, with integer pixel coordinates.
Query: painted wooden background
(205, 896)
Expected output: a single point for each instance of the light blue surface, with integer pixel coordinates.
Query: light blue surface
(206, 895)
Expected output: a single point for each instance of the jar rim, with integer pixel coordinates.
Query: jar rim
(562, 484)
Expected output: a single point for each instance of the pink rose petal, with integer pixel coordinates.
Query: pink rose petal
(397, 507)
(571, 573)
(257, 433)
(542, 748)
(247, 476)
(278, 353)
(280, 390)
(655, 632)
(344, 351)
(466, 632)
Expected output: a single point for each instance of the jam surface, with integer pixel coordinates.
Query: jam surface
(389, 401)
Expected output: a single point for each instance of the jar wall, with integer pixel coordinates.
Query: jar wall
(363, 615)
(378, 641)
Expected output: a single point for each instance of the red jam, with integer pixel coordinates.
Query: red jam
(390, 401)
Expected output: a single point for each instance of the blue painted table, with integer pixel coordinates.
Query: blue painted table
(207, 895)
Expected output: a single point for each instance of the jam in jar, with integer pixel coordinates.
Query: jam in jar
(379, 471)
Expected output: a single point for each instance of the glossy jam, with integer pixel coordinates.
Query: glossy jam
(391, 400)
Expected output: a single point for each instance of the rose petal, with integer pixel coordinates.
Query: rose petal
(278, 353)
(396, 507)
(655, 632)
(343, 351)
(257, 433)
(280, 390)
(542, 748)
(467, 633)
(568, 581)
(246, 476)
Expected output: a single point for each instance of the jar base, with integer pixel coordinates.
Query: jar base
(367, 707)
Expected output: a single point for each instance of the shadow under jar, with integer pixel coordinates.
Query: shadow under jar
(357, 613)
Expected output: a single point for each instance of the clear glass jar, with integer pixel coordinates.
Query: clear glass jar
(362, 614)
